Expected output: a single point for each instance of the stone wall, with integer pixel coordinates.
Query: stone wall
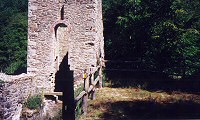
(14, 90)
(81, 40)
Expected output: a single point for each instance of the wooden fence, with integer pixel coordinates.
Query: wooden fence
(93, 80)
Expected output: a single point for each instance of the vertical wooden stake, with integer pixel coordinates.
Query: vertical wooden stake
(93, 97)
(100, 77)
(92, 79)
(85, 104)
(85, 98)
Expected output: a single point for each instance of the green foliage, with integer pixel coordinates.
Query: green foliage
(34, 102)
(78, 110)
(176, 43)
(78, 90)
(162, 35)
(13, 31)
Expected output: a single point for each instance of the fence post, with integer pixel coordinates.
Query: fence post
(93, 97)
(85, 98)
(92, 79)
(100, 77)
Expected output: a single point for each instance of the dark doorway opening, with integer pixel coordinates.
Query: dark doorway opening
(64, 82)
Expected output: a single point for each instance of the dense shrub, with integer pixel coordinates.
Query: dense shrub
(34, 102)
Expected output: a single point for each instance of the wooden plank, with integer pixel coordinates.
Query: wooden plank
(95, 81)
(80, 96)
(54, 93)
(100, 78)
(85, 97)
(92, 79)
(90, 88)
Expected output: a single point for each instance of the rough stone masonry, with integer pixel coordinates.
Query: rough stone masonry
(14, 90)
(63, 30)
(61, 34)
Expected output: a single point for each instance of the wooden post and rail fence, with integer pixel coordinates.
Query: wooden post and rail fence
(91, 82)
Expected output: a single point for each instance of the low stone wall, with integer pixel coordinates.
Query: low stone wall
(14, 91)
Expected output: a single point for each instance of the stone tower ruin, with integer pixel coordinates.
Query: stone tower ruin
(69, 31)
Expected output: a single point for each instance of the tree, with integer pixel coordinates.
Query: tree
(163, 35)
(175, 41)
(13, 31)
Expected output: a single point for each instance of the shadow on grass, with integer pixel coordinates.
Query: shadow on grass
(130, 110)
(152, 81)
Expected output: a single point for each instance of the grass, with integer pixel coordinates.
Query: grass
(34, 102)
(78, 90)
(135, 103)
(58, 116)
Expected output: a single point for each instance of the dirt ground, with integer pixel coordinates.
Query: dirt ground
(131, 103)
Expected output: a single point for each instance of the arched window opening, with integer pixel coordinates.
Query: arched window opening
(61, 44)
(57, 26)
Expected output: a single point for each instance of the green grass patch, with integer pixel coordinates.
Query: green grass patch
(78, 110)
(34, 102)
(78, 90)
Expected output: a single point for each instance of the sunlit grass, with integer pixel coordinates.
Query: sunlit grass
(127, 103)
